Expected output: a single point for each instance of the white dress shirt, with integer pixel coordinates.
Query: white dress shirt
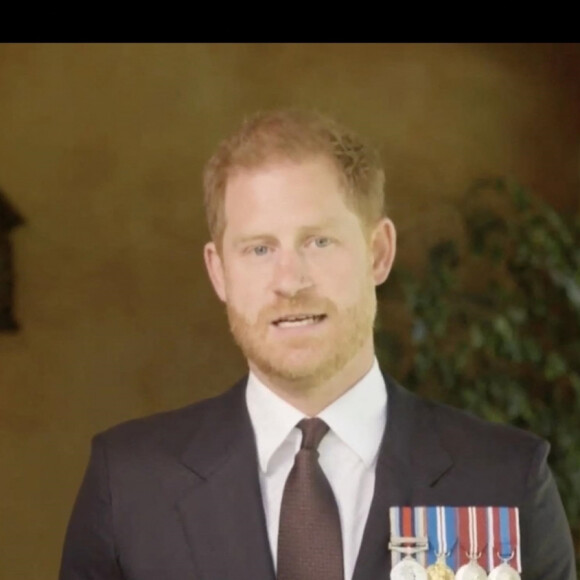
(348, 453)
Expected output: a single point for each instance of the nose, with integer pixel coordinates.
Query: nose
(292, 273)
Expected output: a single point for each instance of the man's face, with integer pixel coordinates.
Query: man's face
(296, 270)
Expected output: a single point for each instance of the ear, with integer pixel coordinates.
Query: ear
(383, 248)
(215, 269)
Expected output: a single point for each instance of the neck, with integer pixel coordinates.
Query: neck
(313, 394)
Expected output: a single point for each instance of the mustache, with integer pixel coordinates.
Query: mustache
(295, 305)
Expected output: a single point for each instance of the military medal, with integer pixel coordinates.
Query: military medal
(506, 533)
(408, 538)
(440, 570)
(474, 525)
(504, 572)
(408, 569)
(442, 532)
(471, 571)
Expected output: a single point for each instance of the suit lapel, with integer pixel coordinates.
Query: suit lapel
(411, 458)
(222, 514)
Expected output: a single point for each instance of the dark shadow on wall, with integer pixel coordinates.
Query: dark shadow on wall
(9, 219)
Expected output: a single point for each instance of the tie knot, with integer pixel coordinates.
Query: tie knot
(313, 430)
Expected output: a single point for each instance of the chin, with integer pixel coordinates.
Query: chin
(301, 369)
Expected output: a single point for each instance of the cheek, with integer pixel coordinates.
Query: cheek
(244, 291)
(346, 280)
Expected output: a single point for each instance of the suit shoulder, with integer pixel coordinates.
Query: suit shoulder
(466, 434)
(491, 462)
(462, 419)
(459, 428)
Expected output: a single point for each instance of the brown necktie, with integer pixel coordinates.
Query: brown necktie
(309, 539)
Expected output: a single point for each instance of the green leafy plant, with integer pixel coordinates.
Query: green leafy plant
(495, 322)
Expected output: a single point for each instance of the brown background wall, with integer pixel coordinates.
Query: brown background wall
(101, 149)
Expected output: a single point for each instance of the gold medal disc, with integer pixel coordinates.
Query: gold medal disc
(440, 571)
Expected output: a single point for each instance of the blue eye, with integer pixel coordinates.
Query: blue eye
(260, 250)
(321, 242)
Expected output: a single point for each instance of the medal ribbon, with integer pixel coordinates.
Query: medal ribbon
(442, 534)
(472, 536)
(506, 532)
(491, 542)
(432, 534)
(464, 536)
(449, 531)
(394, 514)
(504, 537)
(421, 531)
(480, 528)
(407, 523)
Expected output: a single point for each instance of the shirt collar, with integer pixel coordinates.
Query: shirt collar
(357, 418)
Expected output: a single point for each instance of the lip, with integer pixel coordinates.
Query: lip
(315, 317)
(318, 322)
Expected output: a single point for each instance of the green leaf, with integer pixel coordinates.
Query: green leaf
(555, 366)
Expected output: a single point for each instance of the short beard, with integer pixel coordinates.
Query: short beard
(298, 366)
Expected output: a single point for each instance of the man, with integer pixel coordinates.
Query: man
(240, 486)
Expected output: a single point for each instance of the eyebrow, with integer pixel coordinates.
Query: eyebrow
(243, 240)
(303, 231)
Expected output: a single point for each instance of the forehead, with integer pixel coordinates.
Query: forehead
(283, 197)
(287, 200)
(284, 184)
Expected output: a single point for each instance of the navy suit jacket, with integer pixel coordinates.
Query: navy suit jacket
(176, 496)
